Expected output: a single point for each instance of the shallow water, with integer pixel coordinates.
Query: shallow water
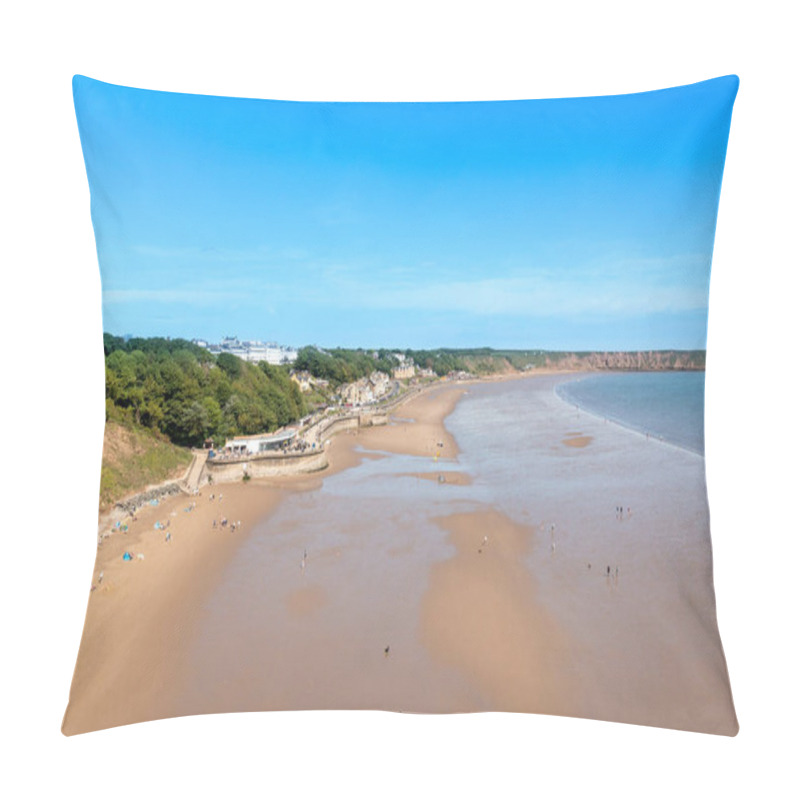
(666, 405)
(631, 591)
(284, 631)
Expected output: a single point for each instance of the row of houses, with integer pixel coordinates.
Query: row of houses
(307, 382)
(366, 390)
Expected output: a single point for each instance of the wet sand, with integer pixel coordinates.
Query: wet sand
(448, 476)
(142, 613)
(482, 617)
(399, 608)
(620, 560)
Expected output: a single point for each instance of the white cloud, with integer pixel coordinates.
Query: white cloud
(525, 297)
(614, 288)
(620, 287)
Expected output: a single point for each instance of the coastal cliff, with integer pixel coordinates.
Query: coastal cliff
(655, 360)
(498, 362)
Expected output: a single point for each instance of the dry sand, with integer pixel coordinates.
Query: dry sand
(142, 612)
(418, 429)
(480, 616)
(576, 440)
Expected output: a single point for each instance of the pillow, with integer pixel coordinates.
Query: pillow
(404, 407)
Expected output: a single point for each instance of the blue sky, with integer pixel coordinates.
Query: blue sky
(557, 224)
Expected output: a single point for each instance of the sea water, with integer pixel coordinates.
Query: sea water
(667, 405)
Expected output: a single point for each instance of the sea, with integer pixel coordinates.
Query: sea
(667, 405)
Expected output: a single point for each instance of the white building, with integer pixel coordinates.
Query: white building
(260, 442)
(252, 350)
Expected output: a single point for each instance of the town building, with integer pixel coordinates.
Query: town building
(306, 381)
(251, 350)
(366, 390)
(260, 442)
(404, 371)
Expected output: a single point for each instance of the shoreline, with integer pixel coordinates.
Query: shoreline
(644, 434)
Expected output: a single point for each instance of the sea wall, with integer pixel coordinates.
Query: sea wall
(334, 426)
(223, 471)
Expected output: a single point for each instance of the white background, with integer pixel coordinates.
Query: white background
(52, 386)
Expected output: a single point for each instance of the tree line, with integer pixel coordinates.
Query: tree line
(339, 365)
(189, 394)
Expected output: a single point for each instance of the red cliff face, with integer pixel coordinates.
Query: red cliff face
(646, 360)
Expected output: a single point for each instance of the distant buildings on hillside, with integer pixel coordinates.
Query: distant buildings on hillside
(405, 368)
(251, 350)
(366, 390)
(307, 382)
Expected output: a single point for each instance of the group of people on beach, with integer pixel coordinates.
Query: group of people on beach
(223, 523)
(620, 511)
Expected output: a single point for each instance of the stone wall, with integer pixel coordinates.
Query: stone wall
(225, 471)
(222, 471)
(328, 429)
(368, 420)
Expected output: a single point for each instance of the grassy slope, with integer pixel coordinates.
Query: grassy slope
(134, 458)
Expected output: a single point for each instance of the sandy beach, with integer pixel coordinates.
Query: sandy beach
(142, 612)
(481, 615)
(442, 599)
